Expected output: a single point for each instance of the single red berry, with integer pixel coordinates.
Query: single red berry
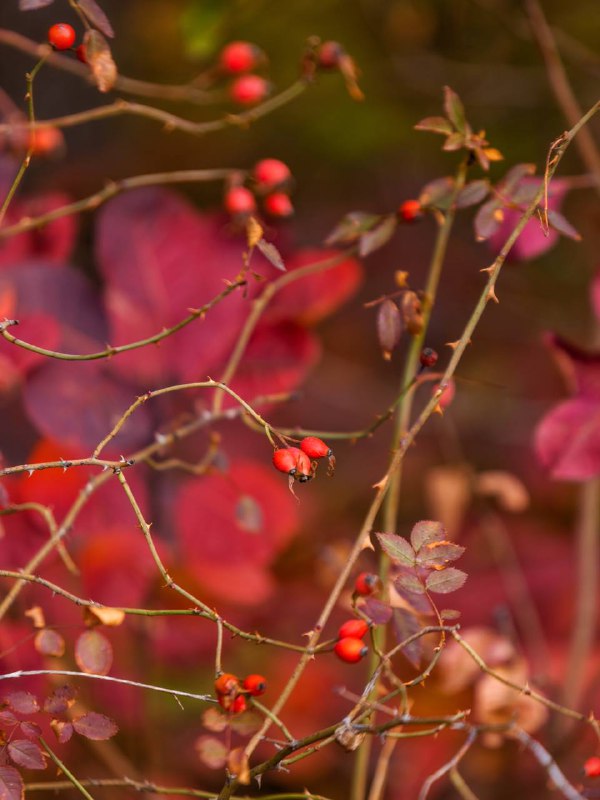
(227, 684)
(247, 90)
(239, 704)
(315, 447)
(278, 205)
(81, 54)
(271, 173)
(239, 201)
(367, 583)
(61, 36)
(285, 459)
(447, 395)
(330, 54)
(239, 57)
(45, 141)
(255, 685)
(354, 628)
(592, 767)
(428, 357)
(350, 649)
(410, 210)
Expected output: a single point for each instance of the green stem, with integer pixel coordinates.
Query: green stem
(64, 769)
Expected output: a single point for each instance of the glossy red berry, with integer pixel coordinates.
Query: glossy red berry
(428, 357)
(227, 684)
(447, 395)
(61, 36)
(237, 57)
(330, 54)
(271, 173)
(592, 767)
(239, 201)
(367, 583)
(315, 447)
(354, 628)
(247, 90)
(278, 205)
(350, 649)
(239, 704)
(285, 459)
(410, 210)
(255, 685)
(81, 54)
(45, 141)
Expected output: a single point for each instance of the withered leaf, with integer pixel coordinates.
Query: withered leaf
(100, 60)
(96, 16)
(93, 653)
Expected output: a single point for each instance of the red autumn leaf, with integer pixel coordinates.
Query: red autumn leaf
(62, 730)
(446, 580)
(376, 610)
(567, 440)
(438, 554)
(93, 653)
(22, 702)
(60, 701)
(11, 784)
(95, 726)
(427, 532)
(7, 719)
(30, 729)
(26, 754)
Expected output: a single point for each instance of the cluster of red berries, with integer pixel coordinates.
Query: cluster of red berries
(271, 181)
(296, 461)
(239, 59)
(232, 693)
(350, 646)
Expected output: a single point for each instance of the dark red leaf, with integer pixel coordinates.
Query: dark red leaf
(95, 726)
(408, 580)
(405, 625)
(562, 225)
(98, 56)
(26, 754)
(398, 549)
(11, 784)
(489, 220)
(419, 602)
(376, 610)
(30, 729)
(62, 730)
(272, 254)
(60, 700)
(427, 532)
(446, 580)
(22, 702)
(51, 244)
(93, 653)
(96, 16)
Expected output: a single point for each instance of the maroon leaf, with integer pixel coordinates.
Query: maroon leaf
(11, 784)
(31, 729)
(408, 580)
(352, 227)
(397, 548)
(435, 125)
(22, 702)
(427, 532)
(454, 109)
(419, 602)
(62, 730)
(26, 754)
(389, 326)
(31, 5)
(49, 643)
(438, 554)
(473, 193)
(406, 624)
(446, 580)
(95, 726)
(93, 653)
(96, 16)
(376, 610)
(379, 236)
(211, 752)
(60, 701)
(513, 178)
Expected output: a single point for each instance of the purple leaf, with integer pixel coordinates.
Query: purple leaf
(389, 327)
(31, 5)
(446, 580)
(26, 754)
(408, 580)
(22, 702)
(488, 219)
(437, 193)
(378, 612)
(95, 726)
(563, 226)
(427, 532)
(93, 653)
(96, 16)
(60, 700)
(397, 549)
(62, 730)
(405, 625)
(11, 784)
(473, 193)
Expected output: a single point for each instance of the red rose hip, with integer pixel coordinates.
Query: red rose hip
(367, 583)
(255, 685)
(278, 205)
(239, 201)
(315, 447)
(247, 90)
(237, 57)
(271, 173)
(355, 628)
(61, 36)
(410, 210)
(350, 649)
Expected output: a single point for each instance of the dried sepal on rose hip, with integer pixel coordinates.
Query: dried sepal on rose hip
(317, 448)
(61, 36)
(367, 583)
(354, 628)
(350, 649)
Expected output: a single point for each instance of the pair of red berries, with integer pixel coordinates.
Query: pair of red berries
(350, 646)
(62, 37)
(296, 461)
(271, 179)
(240, 58)
(232, 694)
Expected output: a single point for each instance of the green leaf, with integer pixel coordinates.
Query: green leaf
(426, 532)
(454, 142)
(201, 23)
(446, 580)
(435, 125)
(397, 548)
(455, 110)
